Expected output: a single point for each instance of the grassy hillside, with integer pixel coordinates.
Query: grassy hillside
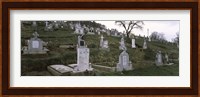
(143, 61)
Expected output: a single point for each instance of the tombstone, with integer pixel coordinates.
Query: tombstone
(56, 25)
(46, 24)
(71, 26)
(145, 44)
(133, 43)
(83, 57)
(122, 44)
(166, 58)
(91, 31)
(79, 29)
(149, 38)
(124, 63)
(98, 31)
(35, 46)
(159, 60)
(101, 41)
(34, 25)
(105, 44)
(81, 42)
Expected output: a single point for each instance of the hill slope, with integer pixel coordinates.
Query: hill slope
(143, 61)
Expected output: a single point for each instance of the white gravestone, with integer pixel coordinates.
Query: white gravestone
(105, 44)
(35, 46)
(122, 44)
(159, 60)
(133, 43)
(83, 59)
(124, 63)
(101, 41)
(166, 59)
(145, 44)
(46, 24)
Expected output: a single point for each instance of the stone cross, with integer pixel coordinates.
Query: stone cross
(159, 60)
(34, 25)
(35, 34)
(122, 44)
(101, 41)
(133, 43)
(46, 23)
(166, 58)
(145, 44)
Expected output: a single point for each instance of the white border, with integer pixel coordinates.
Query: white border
(183, 80)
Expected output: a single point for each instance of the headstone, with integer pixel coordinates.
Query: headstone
(83, 57)
(35, 46)
(105, 44)
(149, 38)
(145, 44)
(79, 29)
(166, 58)
(122, 44)
(71, 26)
(34, 26)
(46, 24)
(133, 43)
(56, 25)
(124, 63)
(91, 31)
(81, 42)
(159, 60)
(101, 41)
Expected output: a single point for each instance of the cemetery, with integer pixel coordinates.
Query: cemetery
(71, 48)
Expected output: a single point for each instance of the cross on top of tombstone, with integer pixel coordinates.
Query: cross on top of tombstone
(35, 34)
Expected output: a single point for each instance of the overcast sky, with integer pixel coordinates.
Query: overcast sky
(169, 28)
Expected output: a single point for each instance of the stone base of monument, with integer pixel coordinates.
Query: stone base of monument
(125, 67)
(59, 70)
(70, 70)
(26, 51)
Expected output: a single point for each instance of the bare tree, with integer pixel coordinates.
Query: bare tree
(130, 25)
(158, 36)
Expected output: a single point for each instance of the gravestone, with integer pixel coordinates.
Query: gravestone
(124, 63)
(145, 44)
(56, 25)
(91, 31)
(122, 44)
(105, 44)
(81, 42)
(101, 41)
(79, 29)
(71, 26)
(35, 46)
(133, 43)
(159, 60)
(149, 38)
(34, 25)
(166, 58)
(46, 24)
(82, 57)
